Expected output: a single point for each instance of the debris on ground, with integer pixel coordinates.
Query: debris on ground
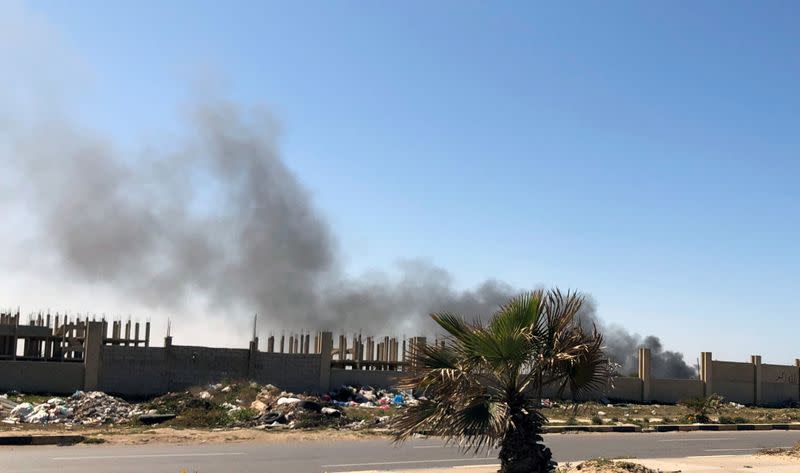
(786, 452)
(602, 465)
(93, 408)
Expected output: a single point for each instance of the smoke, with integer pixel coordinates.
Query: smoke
(218, 217)
(622, 348)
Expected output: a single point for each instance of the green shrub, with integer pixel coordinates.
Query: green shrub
(733, 420)
(243, 415)
(572, 421)
(597, 420)
(701, 407)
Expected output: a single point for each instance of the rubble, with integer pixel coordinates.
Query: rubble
(219, 405)
(93, 408)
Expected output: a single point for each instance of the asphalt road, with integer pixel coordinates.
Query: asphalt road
(318, 457)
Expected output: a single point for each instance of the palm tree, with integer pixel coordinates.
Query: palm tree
(482, 389)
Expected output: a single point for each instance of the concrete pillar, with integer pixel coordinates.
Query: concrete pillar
(415, 346)
(797, 372)
(308, 343)
(757, 379)
(93, 348)
(283, 338)
(645, 373)
(326, 354)
(706, 372)
(342, 347)
(251, 358)
(167, 342)
(147, 334)
(271, 344)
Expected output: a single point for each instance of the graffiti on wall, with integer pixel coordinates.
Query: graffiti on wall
(786, 378)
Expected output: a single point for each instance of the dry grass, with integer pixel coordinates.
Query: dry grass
(793, 452)
(604, 465)
(648, 414)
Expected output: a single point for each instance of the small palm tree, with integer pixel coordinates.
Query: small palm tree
(483, 388)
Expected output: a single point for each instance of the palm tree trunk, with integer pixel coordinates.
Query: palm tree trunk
(522, 450)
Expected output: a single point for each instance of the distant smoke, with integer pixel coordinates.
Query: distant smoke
(223, 216)
(622, 347)
(218, 216)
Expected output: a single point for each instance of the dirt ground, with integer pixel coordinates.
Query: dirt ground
(168, 435)
(645, 414)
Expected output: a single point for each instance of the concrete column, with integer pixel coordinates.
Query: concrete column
(757, 379)
(342, 347)
(251, 358)
(645, 373)
(326, 354)
(271, 344)
(93, 348)
(706, 373)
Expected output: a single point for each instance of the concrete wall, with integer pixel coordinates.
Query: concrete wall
(779, 384)
(673, 390)
(734, 381)
(41, 377)
(626, 389)
(133, 371)
(374, 378)
(138, 372)
(192, 366)
(294, 372)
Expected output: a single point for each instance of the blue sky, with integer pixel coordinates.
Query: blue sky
(643, 152)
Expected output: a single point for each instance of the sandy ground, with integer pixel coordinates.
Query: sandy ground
(167, 435)
(194, 436)
(709, 464)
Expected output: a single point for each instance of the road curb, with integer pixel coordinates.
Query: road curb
(41, 439)
(722, 427)
(557, 429)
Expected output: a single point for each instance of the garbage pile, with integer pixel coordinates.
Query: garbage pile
(368, 397)
(221, 405)
(93, 408)
(278, 408)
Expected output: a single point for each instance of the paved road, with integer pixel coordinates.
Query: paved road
(318, 457)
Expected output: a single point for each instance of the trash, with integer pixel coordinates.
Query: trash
(22, 410)
(329, 411)
(258, 406)
(151, 419)
(309, 406)
(288, 400)
(205, 395)
(88, 409)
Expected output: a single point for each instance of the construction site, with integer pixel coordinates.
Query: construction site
(60, 355)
